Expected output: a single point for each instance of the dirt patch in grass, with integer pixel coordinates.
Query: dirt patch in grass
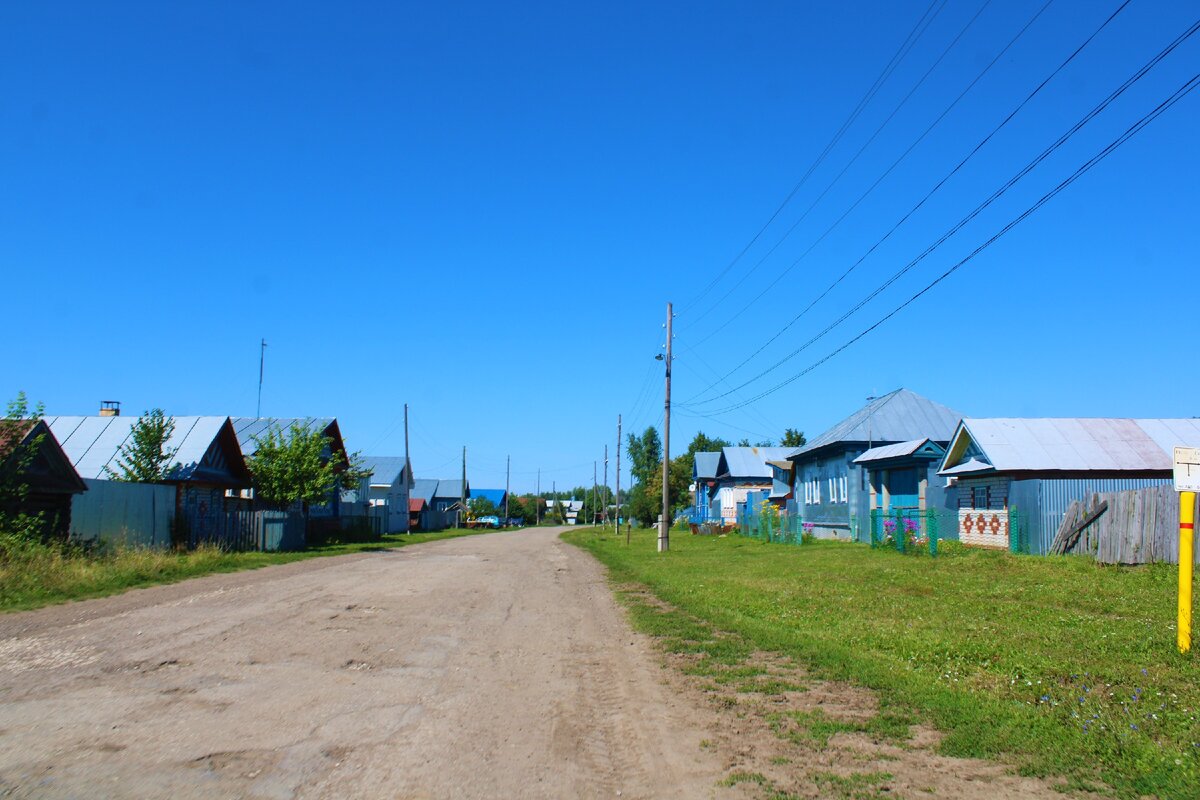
(782, 733)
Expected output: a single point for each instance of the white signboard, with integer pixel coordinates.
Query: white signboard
(1187, 469)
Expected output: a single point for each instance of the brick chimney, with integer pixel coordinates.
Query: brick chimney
(110, 408)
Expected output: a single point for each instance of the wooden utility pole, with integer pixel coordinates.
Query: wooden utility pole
(507, 466)
(408, 484)
(594, 493)
(617, 516)
(537, 499)
(462, 497)
(664, 524)
(604, 492)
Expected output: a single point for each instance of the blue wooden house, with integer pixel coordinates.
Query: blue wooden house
(832, 491)
(903, 485)
(740, 471)
(704, 486)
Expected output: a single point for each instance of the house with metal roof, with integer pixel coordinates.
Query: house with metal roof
(704, 485)
(31, 456)
(387, 489)
(903, 486)
(740, 471)
(208, 460)
(494, 496)
(832, 491)
(1015, 478)
(250, 430)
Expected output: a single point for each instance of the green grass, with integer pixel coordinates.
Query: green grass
(1057, 665)
(43, 576)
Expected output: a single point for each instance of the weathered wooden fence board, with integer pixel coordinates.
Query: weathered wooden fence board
(1140, 526)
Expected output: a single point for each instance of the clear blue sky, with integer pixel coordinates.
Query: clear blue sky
(481, 210)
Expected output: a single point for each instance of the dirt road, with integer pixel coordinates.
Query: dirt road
(488, 666)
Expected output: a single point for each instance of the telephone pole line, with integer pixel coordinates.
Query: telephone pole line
(537, 499)
(507, 467)
(594, 492)
(664, 524)
(408, 482)
(462, 497)
(604, 492)
(617, 516)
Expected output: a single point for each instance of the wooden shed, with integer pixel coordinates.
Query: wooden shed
(31, 457)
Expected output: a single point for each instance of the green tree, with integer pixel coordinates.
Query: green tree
(704, 444)
(482, 507)
(290, 466)
(145, 457)
(793, 438)
(645, 454)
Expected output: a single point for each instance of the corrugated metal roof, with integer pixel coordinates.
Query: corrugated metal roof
(887, 451)
(94, 443)
(900, 416)
(424, 488)
(385, 470)
(705, 465)
(751, 462)
(1074, 444)
(247, 428)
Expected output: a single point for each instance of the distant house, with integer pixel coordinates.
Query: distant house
(388, 487)
(571, 509)
(742, 470)
(417, 506)
(450, 492)
(250, 429)
(421, 495)
(704, 485)
(31, 456)
(1016, 477)
(831, 490)
(208, 460)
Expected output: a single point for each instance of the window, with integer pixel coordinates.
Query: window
(816, 492)
(833, 495)
(845, 481)
(981, 497)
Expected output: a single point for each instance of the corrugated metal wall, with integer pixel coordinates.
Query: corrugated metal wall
(131, 514)
(1042, 504)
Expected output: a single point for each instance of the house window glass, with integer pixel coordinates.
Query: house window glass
(816, 492)
(845, 488)
(981, 497)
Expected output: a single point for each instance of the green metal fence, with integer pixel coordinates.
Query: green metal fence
(911, 530)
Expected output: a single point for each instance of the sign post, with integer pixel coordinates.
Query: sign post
(1187, 483)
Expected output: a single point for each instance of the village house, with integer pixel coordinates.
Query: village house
(903, 486)
(250, 429)
(740, 471)
(387, 489)
(31, 456)
(1015, 478)
(832, 490)
(207, 459)
(704, 486)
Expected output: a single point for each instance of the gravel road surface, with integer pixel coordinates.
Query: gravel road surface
(486, 666)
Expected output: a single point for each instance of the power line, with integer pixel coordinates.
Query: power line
(1137, 76)
(853, 160)
(1132, 131)
(888, 69)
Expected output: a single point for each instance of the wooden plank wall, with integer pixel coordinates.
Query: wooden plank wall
(1140, 526)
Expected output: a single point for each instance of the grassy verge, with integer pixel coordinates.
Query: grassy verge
(42, 576)
(1057, 665)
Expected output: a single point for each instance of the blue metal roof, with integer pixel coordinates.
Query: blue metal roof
(385, 470)
(705, 465)
(424, 489)
(751, 462)
(452, 489)
(899, 416)
(496, 496)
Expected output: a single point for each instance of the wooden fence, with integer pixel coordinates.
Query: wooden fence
(1133, 527)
